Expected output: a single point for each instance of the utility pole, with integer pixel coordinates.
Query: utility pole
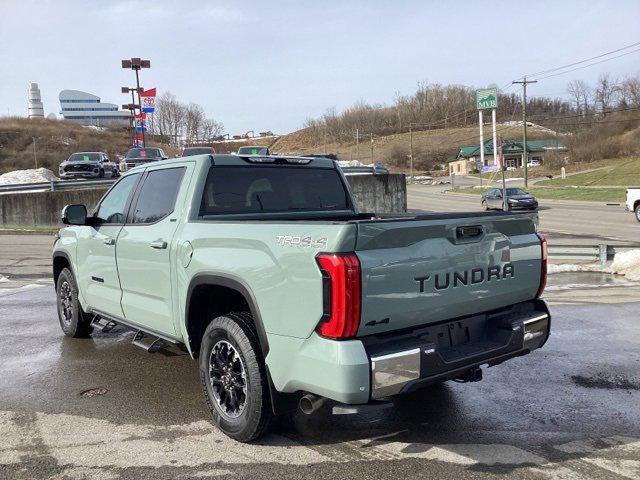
(410, 153)
(325, 141)
(371, 138)
(357, 143)
(525, 156)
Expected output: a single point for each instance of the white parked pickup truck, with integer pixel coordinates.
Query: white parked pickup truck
(633, 201)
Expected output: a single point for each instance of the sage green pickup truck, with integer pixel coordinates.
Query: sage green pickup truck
(263, 269)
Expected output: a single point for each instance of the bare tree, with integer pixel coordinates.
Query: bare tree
(211, 130)
(606, 90)
(580, 94)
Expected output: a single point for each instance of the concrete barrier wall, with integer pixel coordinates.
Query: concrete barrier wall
(380, 193)
(373, 193)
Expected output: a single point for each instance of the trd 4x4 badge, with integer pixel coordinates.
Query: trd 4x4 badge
(293, 241)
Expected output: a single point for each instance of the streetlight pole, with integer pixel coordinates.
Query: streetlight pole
(136, 64)
(35, 158)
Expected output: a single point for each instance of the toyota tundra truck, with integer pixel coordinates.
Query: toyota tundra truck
(264, 270)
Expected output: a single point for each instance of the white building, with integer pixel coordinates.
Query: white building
(36, 109)
(87, 109)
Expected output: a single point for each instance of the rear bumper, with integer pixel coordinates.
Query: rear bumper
(448, 350)
(380, 366)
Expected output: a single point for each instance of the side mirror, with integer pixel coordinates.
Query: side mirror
(74, 215)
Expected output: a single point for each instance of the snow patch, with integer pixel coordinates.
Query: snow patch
(624, 263)
(32, 175)
(3, 279)
(627, 264)
(518, 123)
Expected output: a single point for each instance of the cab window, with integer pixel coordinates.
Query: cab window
(112, 208)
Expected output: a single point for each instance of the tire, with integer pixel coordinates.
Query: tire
(101, 173)
(115, 173)
(73, 321)
(230, 342)
(485, 206)
(637, 210)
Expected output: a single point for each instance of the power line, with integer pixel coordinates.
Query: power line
(543, 72)
(588, 65)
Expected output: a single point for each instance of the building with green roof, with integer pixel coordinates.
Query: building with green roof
(468, 158)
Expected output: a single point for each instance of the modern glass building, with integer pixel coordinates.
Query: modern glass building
(87, 109)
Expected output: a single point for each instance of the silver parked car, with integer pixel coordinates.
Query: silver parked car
(88, 165)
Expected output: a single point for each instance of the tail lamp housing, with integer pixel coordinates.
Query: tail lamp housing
(545, 260)
(341, 294)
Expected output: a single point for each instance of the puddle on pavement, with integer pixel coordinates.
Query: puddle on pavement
(585, 280)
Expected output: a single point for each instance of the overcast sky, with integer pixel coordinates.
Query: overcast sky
(258, 65)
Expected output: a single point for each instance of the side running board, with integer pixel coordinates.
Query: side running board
(102, 324)
(147, 341)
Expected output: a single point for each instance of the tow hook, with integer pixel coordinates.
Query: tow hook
(471, 375)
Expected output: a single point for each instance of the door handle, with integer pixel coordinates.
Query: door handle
(109, 241)
(159, 244)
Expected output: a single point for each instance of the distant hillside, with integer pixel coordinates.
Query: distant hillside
(429, 146)
(55, 140)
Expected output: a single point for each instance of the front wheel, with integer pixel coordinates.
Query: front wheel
(73, 321)
(484, 205)
(233, 377)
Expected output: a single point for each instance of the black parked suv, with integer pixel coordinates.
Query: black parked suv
(138, 156)
(88, 165)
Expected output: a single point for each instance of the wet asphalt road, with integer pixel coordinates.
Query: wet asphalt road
(570, 410)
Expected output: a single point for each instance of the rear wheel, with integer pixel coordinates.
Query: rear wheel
(101, 173)
(73, 321)
(484, 205)
(638, 212)
(233, 377)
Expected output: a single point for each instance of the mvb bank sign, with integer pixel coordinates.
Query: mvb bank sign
(487, 99)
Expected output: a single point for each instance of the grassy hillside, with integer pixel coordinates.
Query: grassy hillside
(622, 172)
(429, 146)
(55, 140)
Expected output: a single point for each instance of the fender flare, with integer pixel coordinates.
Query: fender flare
(235, 283)
(65, 255)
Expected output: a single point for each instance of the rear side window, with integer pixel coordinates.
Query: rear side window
(158, 194)
(236, 190)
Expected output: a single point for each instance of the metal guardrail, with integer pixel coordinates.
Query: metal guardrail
(54, 185)
(596, 253)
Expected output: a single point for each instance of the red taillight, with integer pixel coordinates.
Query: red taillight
(341, 295)
(543, 268)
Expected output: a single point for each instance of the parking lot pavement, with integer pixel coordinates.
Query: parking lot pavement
(594, 221)
(101, 408)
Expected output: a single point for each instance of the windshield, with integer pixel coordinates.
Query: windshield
(515, 191)
(84, 157)
(233, 190)
(143, 153)
(197, 151)
(253, 151)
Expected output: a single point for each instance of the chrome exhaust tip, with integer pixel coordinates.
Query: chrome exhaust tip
(309, 403)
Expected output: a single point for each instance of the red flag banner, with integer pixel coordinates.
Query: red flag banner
(141, 115)
(149, 93)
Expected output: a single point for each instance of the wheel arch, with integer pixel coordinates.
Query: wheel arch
(61, 260)
(203, 283)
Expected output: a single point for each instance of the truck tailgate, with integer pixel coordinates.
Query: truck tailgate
(432, 268)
